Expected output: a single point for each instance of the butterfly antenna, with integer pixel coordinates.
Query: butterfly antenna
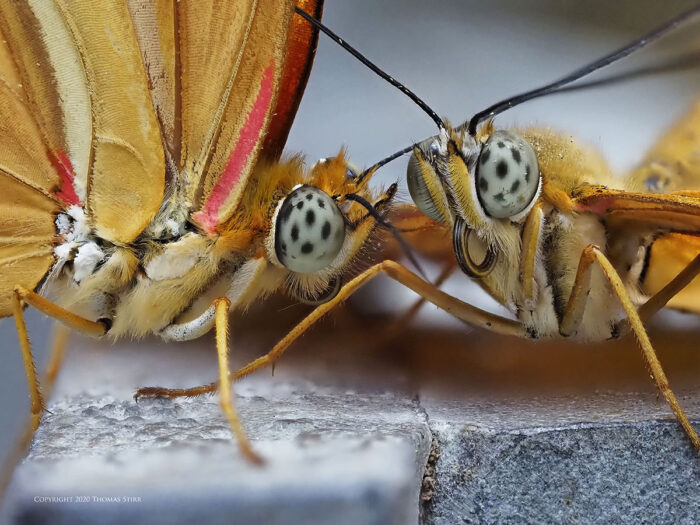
(354, 52)
(624, 51)
(377, 216)
(370, 171)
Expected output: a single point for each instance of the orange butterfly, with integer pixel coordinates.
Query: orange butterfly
(140, 191)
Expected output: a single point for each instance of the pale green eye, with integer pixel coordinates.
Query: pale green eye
(309, 230)
(416, 184)
(507, 175)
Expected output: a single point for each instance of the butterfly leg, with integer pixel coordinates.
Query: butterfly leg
(680, 281)
(24, 296)
(399, 273)
(573, 316)
(56, 355)
(400, 324)
(226, 400)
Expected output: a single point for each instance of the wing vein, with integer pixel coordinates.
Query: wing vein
(38, 189)
(220, 110)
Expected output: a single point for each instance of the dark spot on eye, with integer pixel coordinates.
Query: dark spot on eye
(300, 205)
(485, 155)
(307, 248)
(284, 246)
(309, 197)
(287, 213)
(326, 230)
(502, 169)
(310, 217)
(499, 197)
(516, 155)
(295, 232)
(501, 144)
(527, 173)
(321, 204)
(514, 187)
(483, 185)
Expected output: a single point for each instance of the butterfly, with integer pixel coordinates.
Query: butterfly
(546, 228)
(142, 191)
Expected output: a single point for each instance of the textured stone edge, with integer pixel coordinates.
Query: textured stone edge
(314, 450)
(603, 472)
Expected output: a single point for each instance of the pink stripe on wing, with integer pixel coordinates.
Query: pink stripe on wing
(249, 137)
(65, 171)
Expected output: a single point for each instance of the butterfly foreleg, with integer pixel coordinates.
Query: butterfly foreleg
(573, 316)
(464, 311)
(22, 296)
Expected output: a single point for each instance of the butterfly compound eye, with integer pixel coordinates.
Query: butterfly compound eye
(416, 183)
(309, 230)
(507, 175)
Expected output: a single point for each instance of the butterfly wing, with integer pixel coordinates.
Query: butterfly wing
(655, 212)
(126, 175)
(673, 165)
(77, 128)
(84, 80)
(301, 48)
(28, 187)
(669, 255)
(216, 70)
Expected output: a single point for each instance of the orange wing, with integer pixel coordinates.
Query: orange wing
(301, 48)
(678, 212)
(76, 128)
(28, 186)
(673, 165)
(215, 69)
(670, 254)
(91, 103)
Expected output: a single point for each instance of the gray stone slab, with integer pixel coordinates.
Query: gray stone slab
(473, 429)
(561, 460)
(329, 459)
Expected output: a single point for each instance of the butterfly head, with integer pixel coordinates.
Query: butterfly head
(319, 227)
(478, 184)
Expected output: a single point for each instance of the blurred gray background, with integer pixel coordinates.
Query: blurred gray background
(460, 56)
